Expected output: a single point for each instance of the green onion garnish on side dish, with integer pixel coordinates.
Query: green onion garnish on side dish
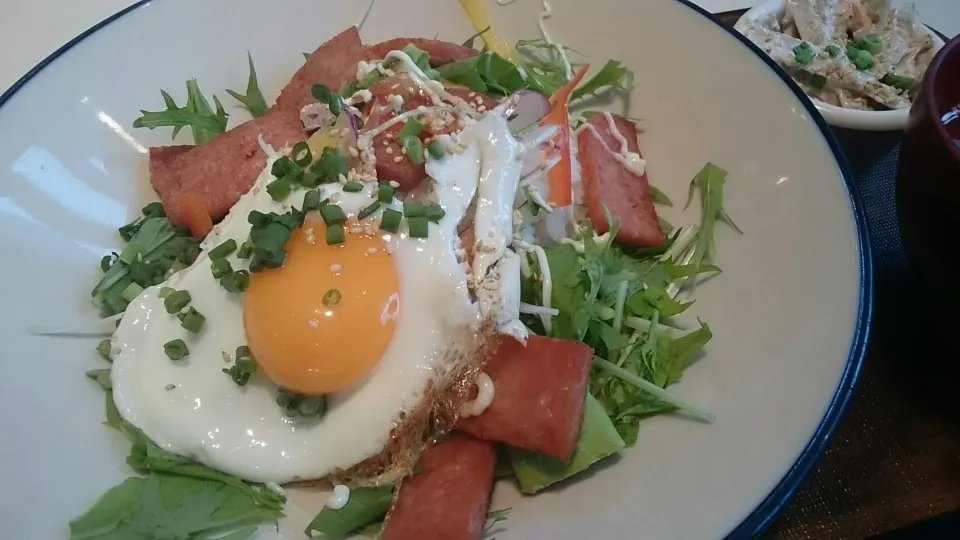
(413, 209)
(390, 221)
(335, 235)
(246, 250)
(368, 211)
(803, 53)
(385, 193)
(412, 128)
(104, 348)
(244, 365)
(311, 200)
(414, 150)
(324, 95)
(282, 166)
(435, 149)
(165, 292)
(220, 268)
(310, 180)
(434, 212)
(105, 262)
(872, 43)
(236, 282)
(419, 227)
(817, 81)
(176, 301)
(330, 166)
(301, 154)
(353, 187)
(832, 50)
(224, 249)
(332, 298)
(257, 218)
(332, 214)
(176, 349)
(861, 58)
(192, 320)
(899, 82)
(279, 189)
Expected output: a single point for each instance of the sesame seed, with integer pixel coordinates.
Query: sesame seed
(336, 268)
(482, 108)
(372, 251)
(170, 387)
(472, 94)
(356, 229)
(394, 184)
(334, 132)
(403, 150)
(397, 159)
(389, 150)
(388, 249)
(342, 179)
(386, 142)
(354, 152)
(313, 323)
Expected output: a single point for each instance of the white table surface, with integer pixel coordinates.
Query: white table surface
(30, 30)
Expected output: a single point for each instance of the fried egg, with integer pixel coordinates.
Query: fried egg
(403, 303)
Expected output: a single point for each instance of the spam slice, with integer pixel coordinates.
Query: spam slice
(448, 498)
(219, 172)
(440, 52)
(333, 64)
(539, 391)
(607, 181)
(392, 163)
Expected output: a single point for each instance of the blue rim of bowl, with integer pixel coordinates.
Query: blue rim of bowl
(781, 495)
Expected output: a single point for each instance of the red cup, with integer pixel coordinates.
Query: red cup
(928, 178)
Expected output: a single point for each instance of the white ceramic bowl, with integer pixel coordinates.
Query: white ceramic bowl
(790, 313)
(838, 116)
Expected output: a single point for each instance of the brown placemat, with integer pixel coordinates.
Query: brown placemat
(895, 460)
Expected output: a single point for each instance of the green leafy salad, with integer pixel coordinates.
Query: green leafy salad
(621, 302)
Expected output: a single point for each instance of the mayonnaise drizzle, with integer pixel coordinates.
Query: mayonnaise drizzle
(485, 393)
(434, 89)
(547, 288)
(339, 498)
(631, 160)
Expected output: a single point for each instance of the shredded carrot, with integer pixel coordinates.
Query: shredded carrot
(195, 213)
(560, 176)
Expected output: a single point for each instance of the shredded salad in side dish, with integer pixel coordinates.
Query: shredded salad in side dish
(423, 268)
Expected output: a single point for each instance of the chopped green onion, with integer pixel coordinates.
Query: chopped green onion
(817, 81)
(154, 209)
(243, 367)
(332, 214)
(335, 235)
(301, 154)
(419, 227)
(803, 53)
(282, 166)
(220, 268)
(236, 282)
(272, 237)
(872, 43)
(390, 221)
(299, 405)
(413, 209)
(311, 200)
(192, 320)
(353, 187)
(385, 193)
(257, 218)
(414, 150)
(899, 82)
(176, 349)
(435, 149)
(279, 189)
(832, 50)
(862, 59)
(105, 262)
(312, 406)
(330, 166)
(332, 298)
(131, 291)
(412, 128)
(104, 348)
(367, 211)
(324, 95)
(224, 249)
(246, 250)
(433, 212)
(176, 301)
(310, 180)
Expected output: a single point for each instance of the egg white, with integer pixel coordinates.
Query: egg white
(192, 408)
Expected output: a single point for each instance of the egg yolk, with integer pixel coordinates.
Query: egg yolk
(324, 319)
